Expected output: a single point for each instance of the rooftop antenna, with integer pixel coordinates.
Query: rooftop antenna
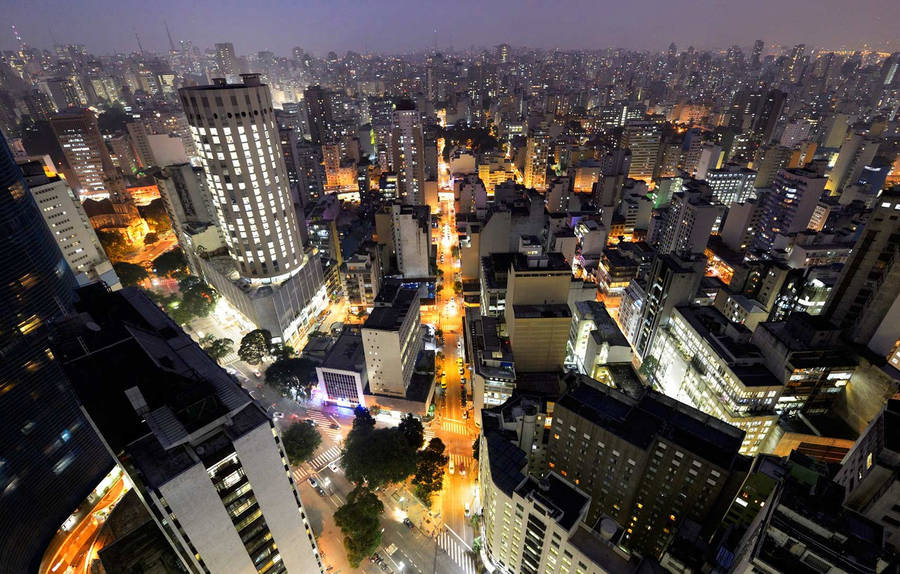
(169, 34)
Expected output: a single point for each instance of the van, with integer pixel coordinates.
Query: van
(450, 467)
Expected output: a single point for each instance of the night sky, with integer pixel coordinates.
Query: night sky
(401, 26)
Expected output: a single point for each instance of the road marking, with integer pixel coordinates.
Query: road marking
(454, 427)
(326, 458)
(457, 550)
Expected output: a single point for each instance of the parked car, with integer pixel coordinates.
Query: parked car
(278, 415)
(313, 482)
(450, 467)
(408, 522)
(334, 426)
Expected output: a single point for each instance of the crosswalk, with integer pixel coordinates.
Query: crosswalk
(457, 550)
(323, 422)
(462, 464)
(454, 427)
(316, 464)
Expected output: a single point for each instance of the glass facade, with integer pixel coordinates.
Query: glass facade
(50, 458)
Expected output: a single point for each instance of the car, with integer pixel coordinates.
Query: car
(278, 415)
(465, 414)
(384, 567)
(450, 467)
(313, 482)
(462, 381)
(320, 490)
(468, 510)
(459, 344)
(462, 371)
(443, 384)
(257, 374)
(310, 422)
(334, 426)
(408, 522)
(462, 469)
(335, 466)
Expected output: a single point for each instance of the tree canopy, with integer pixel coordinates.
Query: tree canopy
(217, 348)
(412, 431)
(170, 263)
(129, 273)
(358, 520)
(255, 346)
(430, 463)
(291, 376)
(300, 440)
(197, 298)
(377, 456)
(115, 247)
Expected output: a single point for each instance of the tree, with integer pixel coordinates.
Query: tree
(363, 421)
(218, 348)
(377, 456)
(255, 346)
(129, 273)
(412, 431)
(358, 520)
(151, 237)
(292, 377)
(198, 299)
(300, 441)
(116, 248)
(430, 463)
(374, 410)
(281, 351)
(154, 213)
(170, 263)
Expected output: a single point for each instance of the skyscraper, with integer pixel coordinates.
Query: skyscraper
(537, 151)
(50, 458)
(866, 299)
(644, 139)
(407, 148)
(225, 59)
(90, 167)
(789, 207)
(318, 114)
(240, 150)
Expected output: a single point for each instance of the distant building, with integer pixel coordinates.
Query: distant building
(408, 151)
(537, 152)
(411, 232)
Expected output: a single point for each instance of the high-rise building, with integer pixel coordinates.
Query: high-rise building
(731, 184)
(756, 55)
(392, 339)
(789, 207)
(203, 455)
(647, 461)
(408, 152)
(226, 61)
(51, 458)
(644, 139)
(689, 221)
(538, 318)
(69, 225)
(411, 233)
(319, 114)
(90, 167)
(866, 299)
(537, 152)
(855, 154)
(279, 287)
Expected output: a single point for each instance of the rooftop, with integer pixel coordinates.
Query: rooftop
(565, 503)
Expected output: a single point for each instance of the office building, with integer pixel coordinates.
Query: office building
(807, 355)
(864, 301)
(703, 359)
(855, 154)
(644, 139)
(537, 153)
(226, 61)
(537, 313)
(51, 456)
(69, 225)
(731, 184)
(266, 274)
(789, 207)
(741, 225)
(411, 234)
(869, 473)
(595, 339)
(672, 281)
(392, 339)
(408, 152)
(491, 359)
(690, 219)
(91, 172)
(342, 375)
(647, 461)
(319, 115)
(205, 458)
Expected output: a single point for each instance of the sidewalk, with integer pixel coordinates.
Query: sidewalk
(428, 521)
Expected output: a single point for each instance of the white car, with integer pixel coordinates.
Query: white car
(277, 415)
(450, 467)
(335, 466)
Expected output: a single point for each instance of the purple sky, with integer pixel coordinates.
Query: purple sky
(408, 25)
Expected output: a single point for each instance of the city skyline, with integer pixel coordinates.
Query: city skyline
(320, 27)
